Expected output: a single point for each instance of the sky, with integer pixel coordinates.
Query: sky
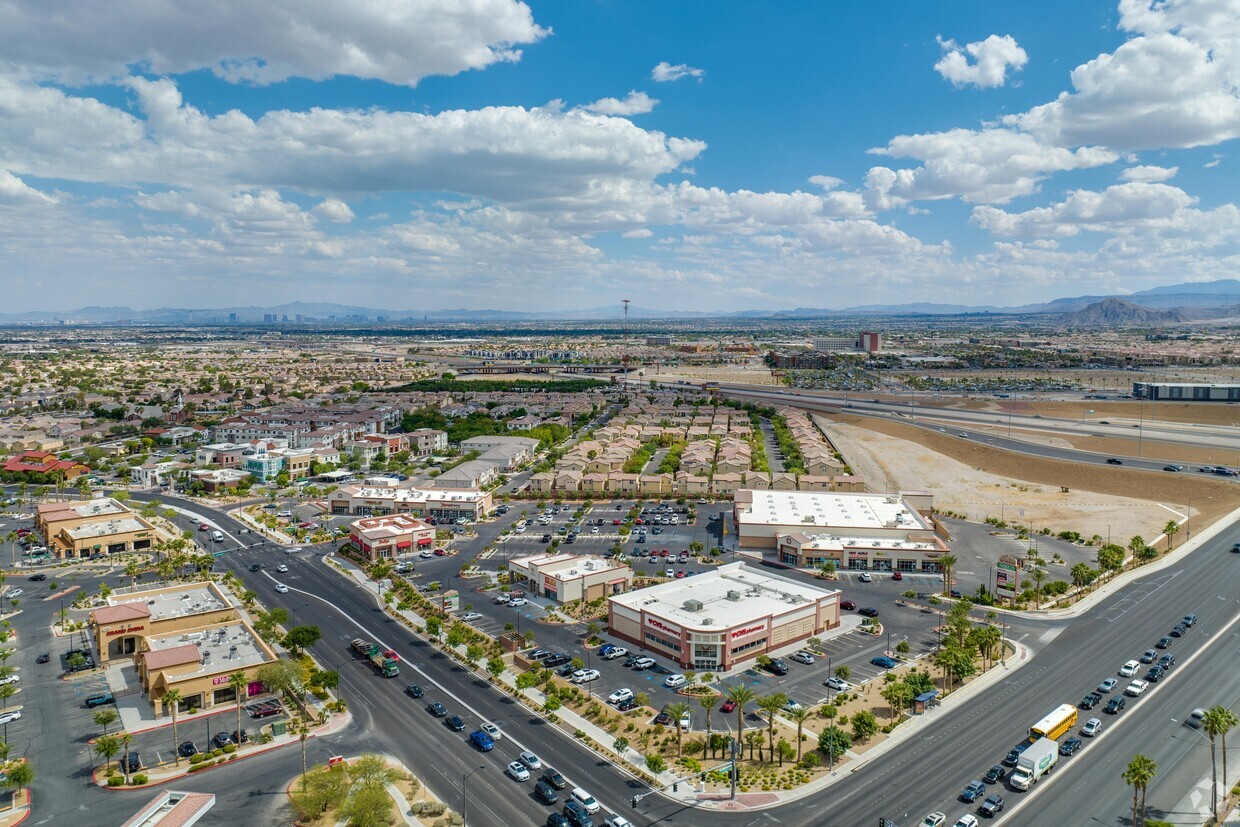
(495, 154)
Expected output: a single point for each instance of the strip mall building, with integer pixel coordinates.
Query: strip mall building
(720, 618)
(386, 538)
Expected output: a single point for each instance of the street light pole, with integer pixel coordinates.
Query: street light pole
(465, 798)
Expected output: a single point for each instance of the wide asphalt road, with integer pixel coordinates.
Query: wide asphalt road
(923, 774)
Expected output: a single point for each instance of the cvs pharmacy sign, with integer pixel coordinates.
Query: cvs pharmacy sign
(661, 626)
(749, 630)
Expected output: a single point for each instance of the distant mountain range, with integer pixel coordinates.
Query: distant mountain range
(1183, 302)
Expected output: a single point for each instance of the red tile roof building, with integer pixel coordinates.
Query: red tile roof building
(43, 462)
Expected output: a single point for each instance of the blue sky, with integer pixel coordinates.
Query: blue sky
(556, 155)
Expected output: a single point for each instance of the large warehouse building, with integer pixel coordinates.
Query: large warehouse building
(762, 516)
(1186, 391)
(720, 618)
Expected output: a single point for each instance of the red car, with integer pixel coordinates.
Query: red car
(728, 706)
(203, 526)
(663, 553)
(639, 521)
(22, 532)
(849, 605)
(897, 576)
(615, 522)
(440, 553)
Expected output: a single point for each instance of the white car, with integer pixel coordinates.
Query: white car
(1129, 669)
(1135, 689)
(933, 820)
(10, 716)
(792, 705)
(530, 761)
(803, 657)
(966, 820)
(685, 722)
(426, 554)
(281, 588)
(495, 732)
(1092, 727)
(282, 568)
(865, 577)
(670, 573)
(13, 678)
(617, 652)
(517, 601)
(839, 685)
(585, 800)
(585, 675)
(501, 598)
(293, 550)
(617, 821)
(470, 617)
(619, 695)
(15, 593)
(518, 771)
(673, 681)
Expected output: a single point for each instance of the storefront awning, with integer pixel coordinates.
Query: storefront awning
(404, 545)
(425, 541)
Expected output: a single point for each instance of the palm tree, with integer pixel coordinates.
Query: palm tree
(707, 702)
(11, 539)
(125, 739)
(1171, 529)
(799, 715)
(1225, 720)
(172, 702)
(770, 704)
(1138, 774)
(1216, 722)
(239, 683)
(132, 569)
(677, 711)
(1039, 576)
(740, 695)
(947, 562)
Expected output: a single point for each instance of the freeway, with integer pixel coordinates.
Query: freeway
(906, 781)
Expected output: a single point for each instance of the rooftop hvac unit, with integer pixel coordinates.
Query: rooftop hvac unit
(733, 595)
(693, 605)
(708, 621)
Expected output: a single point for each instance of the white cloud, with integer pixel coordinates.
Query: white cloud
(635, 103)
(665, 72)
(992, 165)
(827, 182)
(268, 41)
(1135, 214)
(1175, 85)
(991, 59)
(1149, 174)
(14, 190)
(642, 233)
(335, 211)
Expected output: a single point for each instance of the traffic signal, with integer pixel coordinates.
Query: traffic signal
(702, 778)
(675, 786)
(633, 802)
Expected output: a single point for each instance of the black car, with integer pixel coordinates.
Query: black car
(1115, 705)
(777, 667)
(1166, 661)
(1149, 656)
(256, 566)
(557, 660)
(131, 761)
(455, 723)
(187, 749)
(1163, 642)
(44, 658)
(436, 709)
(1013, 756)
(414, 691)
(663, 718)
(995, 774)
(552, 776)
(632, 659)
(539, 654)
(37, 578)
(1154, 674)
(557, 820)
(1114, 461)
(240, 736)
(545, 793)
(868, 611)
(1179, 630)
(1090, 701)
(626, 705)
(1069, 746)
(566, 670)
(992, 805)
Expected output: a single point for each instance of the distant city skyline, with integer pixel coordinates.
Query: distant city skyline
(550, 156)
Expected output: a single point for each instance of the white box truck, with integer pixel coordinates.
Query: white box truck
(1034, 763)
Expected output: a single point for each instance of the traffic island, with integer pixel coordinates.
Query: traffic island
(18, 809)
(376, 789)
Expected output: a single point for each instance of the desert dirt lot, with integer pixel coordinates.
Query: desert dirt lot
(977, 480)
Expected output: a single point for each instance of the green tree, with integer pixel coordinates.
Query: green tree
(171, 702)
(1136, 544)
(1082, 575)
(300, 638)
(105, 717)
(1217, 722)
(843, 672)
(864, 725)
(495, 667)
(898, 696)
(1111, 557)
(17, 776)
(708, 703)
(368, 805)
(770, 705)
(107, 746)
(239, 683)
(1038, 576)
(834, 742)
(125, 739)
(655, 763)
(1171, 529)
(799, 716)
(620, 745)
(1138, 775)
(1224, 721)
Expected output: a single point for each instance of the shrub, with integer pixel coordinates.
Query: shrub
(196, 758)
(579, 733)
(230, 748)
(115, 781)
(140, 778)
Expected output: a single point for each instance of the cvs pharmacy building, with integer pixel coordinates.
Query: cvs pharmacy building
(720, 618)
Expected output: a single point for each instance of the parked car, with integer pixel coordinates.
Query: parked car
(838, 684)
(221, 740)
(586, 675)
(187, 749)
(868, 611)
(99, 699)
(620, 695)
(865, 577)
(673, 681)
(803, 657)
(884, 662)
(131, 761)
(777, 667)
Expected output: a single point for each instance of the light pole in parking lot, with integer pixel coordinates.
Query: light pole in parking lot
(464, 797)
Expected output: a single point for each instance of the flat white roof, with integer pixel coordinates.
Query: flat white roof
(833, 543)
(224, 648)
(107, 528)
(730, 595)
(563, 566)
(192, 599)
(411, 494)
(829, 509)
